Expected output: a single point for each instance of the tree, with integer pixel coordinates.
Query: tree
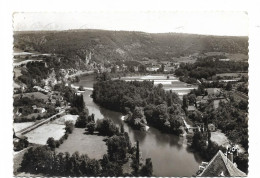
(113, 69)
(77, 79)
(106, 127)
(147, 169)
(69, 126)
(122, 129)
(38, 160)
(117, 147)
(192, 99)
(81, 121)
(136, 160)
(51, 143)
(91, 127)
(57, 104)
(111, 169)
(131, 69)
(162, 68)
(243, 105)
(137, 154)
(185, 101)
(229, 86)
(141, 68)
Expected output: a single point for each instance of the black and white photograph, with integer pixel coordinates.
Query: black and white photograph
(129, 93)
(109, 94)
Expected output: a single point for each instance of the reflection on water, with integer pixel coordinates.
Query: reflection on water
(169, 155)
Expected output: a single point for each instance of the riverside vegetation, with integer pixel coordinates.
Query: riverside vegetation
(143, 102)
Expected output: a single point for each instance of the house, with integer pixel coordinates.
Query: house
(211, 127)
(40, 89)
(220, 165)
(47, 88)
(201, 100)
(151, 69)
(34, 107)
(191, 108)
(41, 110)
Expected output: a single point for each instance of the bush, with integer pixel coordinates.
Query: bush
(69, 127)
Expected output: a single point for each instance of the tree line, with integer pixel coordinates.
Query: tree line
(207, 67)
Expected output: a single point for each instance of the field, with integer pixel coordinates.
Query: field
(65, 118)
(92, 145)
(172, 83)
(19, 126)
(41, 134)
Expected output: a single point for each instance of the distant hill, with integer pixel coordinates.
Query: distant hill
(125, 46)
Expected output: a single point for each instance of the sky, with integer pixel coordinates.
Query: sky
(209, 23)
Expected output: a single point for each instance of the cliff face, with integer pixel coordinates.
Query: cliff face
(126, 46)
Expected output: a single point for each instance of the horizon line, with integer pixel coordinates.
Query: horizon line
(130, 31)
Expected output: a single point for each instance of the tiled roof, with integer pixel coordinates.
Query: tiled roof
(220, 165)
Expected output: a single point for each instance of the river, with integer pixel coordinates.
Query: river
(169, 153)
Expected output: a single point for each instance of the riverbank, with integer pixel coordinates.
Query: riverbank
(169, 153)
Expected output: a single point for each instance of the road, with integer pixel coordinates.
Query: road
(32, 127)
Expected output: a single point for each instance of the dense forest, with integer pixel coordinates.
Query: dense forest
(142, 102)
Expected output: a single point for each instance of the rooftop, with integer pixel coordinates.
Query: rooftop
(220, 165)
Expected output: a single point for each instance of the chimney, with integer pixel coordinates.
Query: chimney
(230, 156)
